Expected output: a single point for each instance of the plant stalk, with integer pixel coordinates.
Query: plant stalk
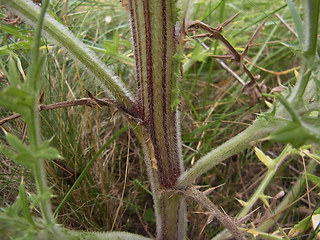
(60, 34)
(260, 190)
(155, 43)
(260, 129)
(310, 60)
(33, 81)
(292, 194)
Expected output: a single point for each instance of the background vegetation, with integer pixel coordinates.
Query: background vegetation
(115, 195)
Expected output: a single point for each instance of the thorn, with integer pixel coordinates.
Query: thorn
(253, 37)
(89, 94)
(95, 102)
(41, 98)
(125, 3)
(114, 113)
(208, 191)
(229, 20)
(246, 218)
(209, 220)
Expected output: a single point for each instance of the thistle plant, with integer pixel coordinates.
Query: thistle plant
(160, 31)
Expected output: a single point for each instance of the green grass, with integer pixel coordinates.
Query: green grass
(213, 109)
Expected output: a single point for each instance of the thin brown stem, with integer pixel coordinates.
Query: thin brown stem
(253, 37)
(251, 88)
(223, 218)
(90, 102)
(10, 118)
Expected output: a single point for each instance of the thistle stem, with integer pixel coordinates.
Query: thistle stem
(260, 129)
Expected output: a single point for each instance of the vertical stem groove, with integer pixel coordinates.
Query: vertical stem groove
(153, 33)
(154, 49)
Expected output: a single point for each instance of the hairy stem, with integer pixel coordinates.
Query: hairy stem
(223, 218)
(260, 190)
(157, 70)
(260, 129)
(60, 34)
(153, 34)
(170, 210)
(311, 23)
(33, 79)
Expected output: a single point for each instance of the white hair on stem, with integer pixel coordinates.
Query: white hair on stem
(62, 36)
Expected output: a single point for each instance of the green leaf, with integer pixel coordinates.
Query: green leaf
(35, 199)
(48, 153)
(19, 93)
(14, 31)
(297, 134)
(5, 150)
(16, 99)
(16, 143)
(10, 48)
(125, 43)
(13, 74)
(303, 225)
(23, 155)
(149, 215)
(292, 133)
(116, 40)
(14, 209)
(55, 16)
(297, 21)
(112, 47)
(199, 54)
(24, 203)
(313, 178)
(138, 183)
(26, 159)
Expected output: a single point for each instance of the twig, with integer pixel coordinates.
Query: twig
(233, 54)
(215, 33)
(78, 102)
(91, 102)
(223, 218)
(253, 37)
(229, 70)
(225, 66)
(7, 119)
(286, 24)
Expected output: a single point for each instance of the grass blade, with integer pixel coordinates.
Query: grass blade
(297, 21)
(85, 170)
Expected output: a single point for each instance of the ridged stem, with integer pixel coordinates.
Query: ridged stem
(155, 46)
(260, 129)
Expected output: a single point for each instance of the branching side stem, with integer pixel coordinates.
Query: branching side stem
(223, 218)
(260, 129)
